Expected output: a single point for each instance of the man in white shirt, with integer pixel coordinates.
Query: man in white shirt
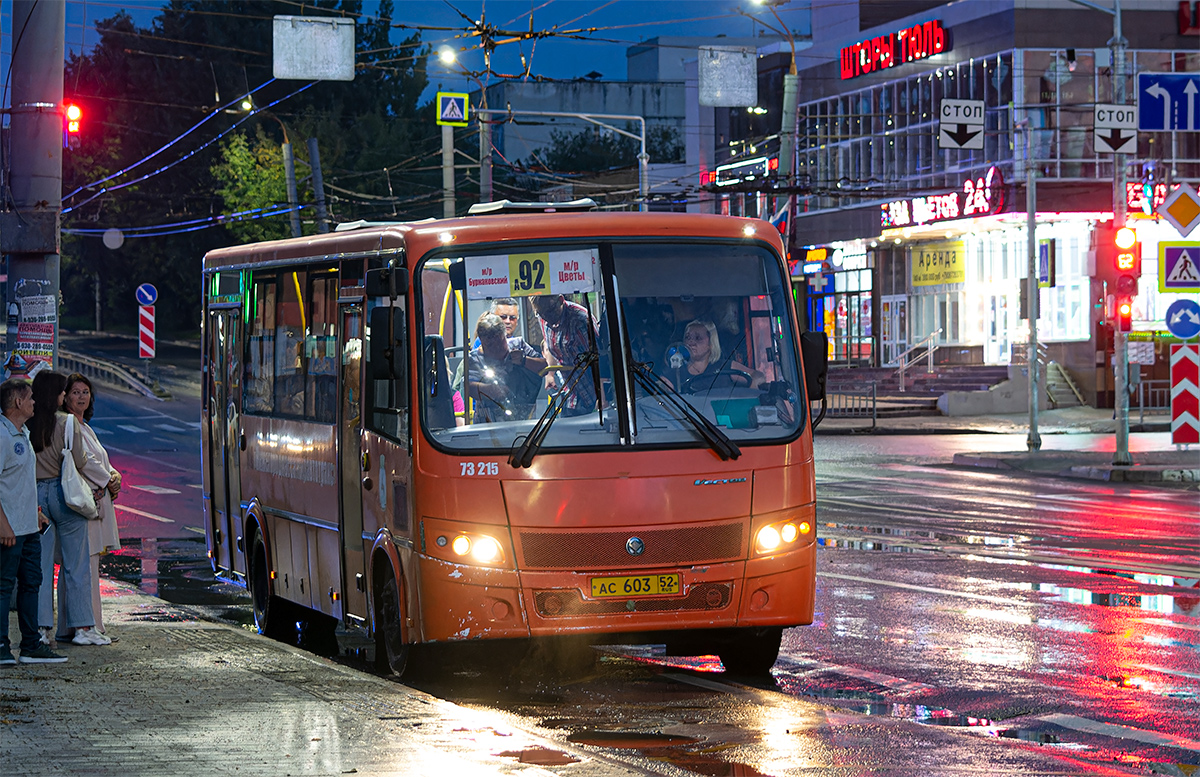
(21, 523)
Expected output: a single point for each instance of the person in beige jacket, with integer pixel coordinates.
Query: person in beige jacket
(104, 479)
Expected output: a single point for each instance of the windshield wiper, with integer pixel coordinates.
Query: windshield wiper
(523, 455)
(717, 440)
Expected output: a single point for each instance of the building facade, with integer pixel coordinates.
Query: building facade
(896, 240)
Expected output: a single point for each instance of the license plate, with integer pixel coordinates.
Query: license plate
(641, 585)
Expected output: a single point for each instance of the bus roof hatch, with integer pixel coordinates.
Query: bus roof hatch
(508, 206)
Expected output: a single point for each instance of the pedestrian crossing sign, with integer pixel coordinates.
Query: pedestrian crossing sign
(1178, 267)
(452, 109)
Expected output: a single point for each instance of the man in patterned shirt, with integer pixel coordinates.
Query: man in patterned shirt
(565, 336)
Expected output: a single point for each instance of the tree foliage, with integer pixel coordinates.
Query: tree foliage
(161, 105)
(595, 150)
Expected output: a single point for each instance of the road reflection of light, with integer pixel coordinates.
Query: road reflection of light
(1000, 615)
(992, 650)
(782, 735)
(993, 560)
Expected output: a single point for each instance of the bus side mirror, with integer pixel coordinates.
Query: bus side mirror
(387, 356)
(390, 282)
(458, 275)
(814, 348)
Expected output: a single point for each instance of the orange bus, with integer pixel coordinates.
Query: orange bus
(627, 457)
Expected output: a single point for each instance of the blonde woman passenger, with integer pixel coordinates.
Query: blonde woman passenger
(104, 479)
(706, 369)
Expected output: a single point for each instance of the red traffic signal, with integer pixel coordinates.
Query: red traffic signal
(1124, 314)
(1127, 261)
(72, 113)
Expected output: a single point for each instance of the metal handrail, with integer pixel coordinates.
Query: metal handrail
(926, 342)
(1158, 401)
(1018, 353)
(107, 372)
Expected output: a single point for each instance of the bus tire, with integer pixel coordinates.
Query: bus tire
(391, 654)
(269, 615)
(751, 651)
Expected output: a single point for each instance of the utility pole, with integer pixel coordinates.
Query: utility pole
(1121, 345)
(29, 234)
(447, 171)
(1121, 455)
(314, 161)
(485, 158)
(1034, 440)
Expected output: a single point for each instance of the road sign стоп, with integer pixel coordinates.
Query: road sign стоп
(961, 124)
(1168, 102)
(1115, 128)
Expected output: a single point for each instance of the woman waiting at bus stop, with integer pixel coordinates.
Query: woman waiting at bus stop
(104, 480)
(48, 429)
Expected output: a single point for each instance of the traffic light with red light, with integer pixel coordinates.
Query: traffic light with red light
(1124, 314)
(72, 116)
(1127, 260)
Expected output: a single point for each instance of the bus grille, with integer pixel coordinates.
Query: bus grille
(606, 550)
(563, 603)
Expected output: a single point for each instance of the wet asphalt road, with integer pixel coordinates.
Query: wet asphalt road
(967, 623)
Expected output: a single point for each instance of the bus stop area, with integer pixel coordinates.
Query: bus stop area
(180, 694)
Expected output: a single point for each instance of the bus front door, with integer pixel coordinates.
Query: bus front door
(224, 424)
(350, 424)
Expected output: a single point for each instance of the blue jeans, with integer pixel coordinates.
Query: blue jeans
(21, 566)
(75, 574)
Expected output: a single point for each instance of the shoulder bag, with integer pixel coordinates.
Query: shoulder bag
(76, 490)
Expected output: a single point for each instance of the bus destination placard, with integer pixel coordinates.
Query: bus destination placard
(527, 275)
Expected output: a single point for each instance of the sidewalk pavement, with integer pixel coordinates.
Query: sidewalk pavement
(1155, 459)
(179, 693)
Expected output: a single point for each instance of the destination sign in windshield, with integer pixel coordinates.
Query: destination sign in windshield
(532, 274)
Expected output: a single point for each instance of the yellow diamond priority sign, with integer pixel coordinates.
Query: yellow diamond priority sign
(452, 109)
(1181, 209)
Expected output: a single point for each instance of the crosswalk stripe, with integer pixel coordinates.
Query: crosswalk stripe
(170, 428)
(131, 428)
(145, 514)
(1089, 726)
(156, 489)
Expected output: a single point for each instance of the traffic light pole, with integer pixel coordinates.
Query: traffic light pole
(1120, 339)
(29, 233)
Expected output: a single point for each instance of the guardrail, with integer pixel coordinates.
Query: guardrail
(108, 372)
(1154, 396)
(852, 404)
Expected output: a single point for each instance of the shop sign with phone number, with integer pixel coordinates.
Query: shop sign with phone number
(528, 275)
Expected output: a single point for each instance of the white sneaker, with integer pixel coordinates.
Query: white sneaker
(90, 637)
(44, 635)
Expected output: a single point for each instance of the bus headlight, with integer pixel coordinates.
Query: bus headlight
(476, 547)
(779, 535)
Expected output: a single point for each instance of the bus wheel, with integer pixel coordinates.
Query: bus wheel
(750, 651)
(391, 654)
(268, 609)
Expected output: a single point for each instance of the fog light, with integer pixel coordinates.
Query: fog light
(805, 527)
(768, 538)
(789, 532)
(461, 545)
(486, 550)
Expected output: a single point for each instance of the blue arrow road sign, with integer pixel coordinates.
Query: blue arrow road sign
(146, 294)
(1183, 319)
(1168, 101)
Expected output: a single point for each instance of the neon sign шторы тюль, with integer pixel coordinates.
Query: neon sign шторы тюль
(981, 196)
(920, 41)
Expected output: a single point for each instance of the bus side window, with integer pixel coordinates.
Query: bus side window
(260, 344)
(387, 397)
(320, 349)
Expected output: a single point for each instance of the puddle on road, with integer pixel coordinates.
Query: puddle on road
(176, 570)
(540, 756)
(629, 740)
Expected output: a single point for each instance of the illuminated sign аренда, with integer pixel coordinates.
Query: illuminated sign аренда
(981, 196)
(920, 41)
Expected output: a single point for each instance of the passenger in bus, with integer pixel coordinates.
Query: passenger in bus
(565, 336)
(502, 374)
(507, 310)
(705, 369)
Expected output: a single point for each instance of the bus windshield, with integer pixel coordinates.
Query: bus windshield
(670, 344)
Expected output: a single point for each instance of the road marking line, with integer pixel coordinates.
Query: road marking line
(1089, 726)
(170, 428)
(156, 489)
(925, 589)
(1165, 670)
(884, 680)
(144, 514)
(193, 528)
(131, 428)
(1169, 623)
